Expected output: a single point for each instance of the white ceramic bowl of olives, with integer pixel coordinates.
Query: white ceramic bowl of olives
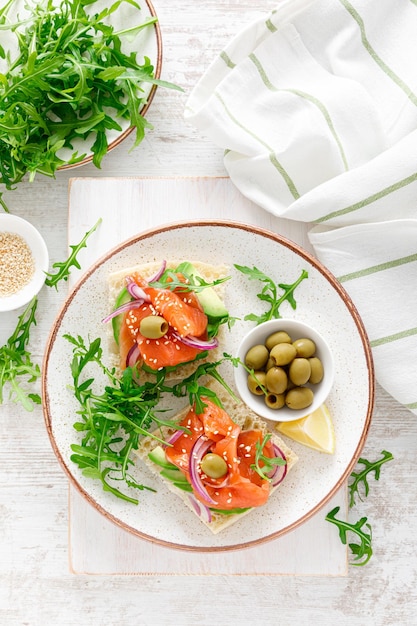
(288, 370)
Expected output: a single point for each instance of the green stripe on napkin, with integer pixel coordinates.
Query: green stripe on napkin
(302, 94)
(378, 268)
(272, 157)
(372, 198)
(385, 68)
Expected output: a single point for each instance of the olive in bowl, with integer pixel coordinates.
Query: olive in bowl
(288, 370)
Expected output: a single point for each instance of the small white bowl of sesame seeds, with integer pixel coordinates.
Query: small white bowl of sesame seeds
(24, 259)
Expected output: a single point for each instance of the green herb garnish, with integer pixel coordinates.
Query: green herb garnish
(111, 421)
(264, 465)
(364, 549)
(16, 361)
(169, 280)
(269, 293)
(362, 475)
(192, 386)
(64, 268)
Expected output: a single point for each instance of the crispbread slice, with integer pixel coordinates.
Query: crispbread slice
(117, 281)
(247, 420)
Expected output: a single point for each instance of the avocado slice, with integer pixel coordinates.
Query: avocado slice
(124, 296)
(157, 456)
(213, 305)
(174, 474)
(169, 470)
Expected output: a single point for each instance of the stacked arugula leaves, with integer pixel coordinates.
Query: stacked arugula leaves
(70, 80)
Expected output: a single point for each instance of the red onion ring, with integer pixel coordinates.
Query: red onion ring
(133, 355)
(175, 437)
(201, 509)
(123, 308)
(200, 447)
(159, 273)
(136, 292)
(194, 342)
(280, 471)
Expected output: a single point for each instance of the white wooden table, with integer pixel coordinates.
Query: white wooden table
(37, 587)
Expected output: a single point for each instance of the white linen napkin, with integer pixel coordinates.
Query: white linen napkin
(315, 105)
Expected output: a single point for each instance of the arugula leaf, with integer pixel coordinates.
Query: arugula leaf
(362, 476)
(16, 361)
(64, 267)
(264, 464)
(169, 280)
(192, 387)
(269, 293)
(363, 550)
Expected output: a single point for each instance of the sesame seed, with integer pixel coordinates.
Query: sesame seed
(17, 264)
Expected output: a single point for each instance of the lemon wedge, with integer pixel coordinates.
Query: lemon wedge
(316, 430)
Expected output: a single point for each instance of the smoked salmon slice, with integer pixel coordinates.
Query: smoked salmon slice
(185, 317)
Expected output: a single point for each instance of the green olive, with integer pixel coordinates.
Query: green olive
(275, 400)
(317, 370)
(269, 364)
(276, 380)
(304, 347)
(256, 357)
(153, 327)
(213, 465)
(256, 382)
(278, 337)
(283, 353)
(299, 398)
(299, 371)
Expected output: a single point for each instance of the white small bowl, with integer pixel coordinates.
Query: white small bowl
(17, 225)
(296, 330)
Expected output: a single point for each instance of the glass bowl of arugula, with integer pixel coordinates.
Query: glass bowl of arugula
(24, 262)
(285, 369)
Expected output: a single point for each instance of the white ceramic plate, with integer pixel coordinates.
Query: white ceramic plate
(161, 517)
(147, 42)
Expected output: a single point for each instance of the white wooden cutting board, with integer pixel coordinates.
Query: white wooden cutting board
(128, 206)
